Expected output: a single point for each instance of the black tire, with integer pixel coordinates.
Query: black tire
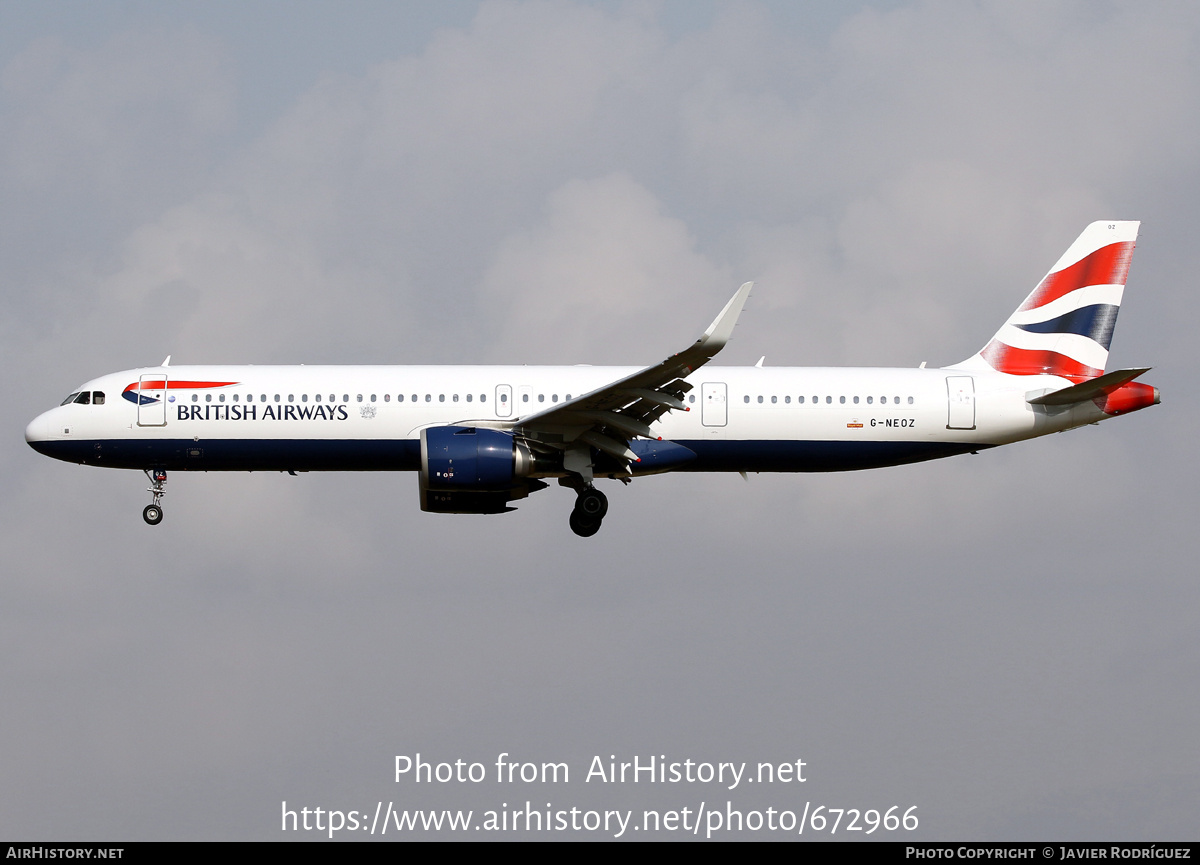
(583, 525)
(592, 504)
(152, 514)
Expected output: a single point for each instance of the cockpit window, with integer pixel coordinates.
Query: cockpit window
(84, 398)
(97, 397)
(70, 399)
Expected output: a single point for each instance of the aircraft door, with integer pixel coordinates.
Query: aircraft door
(714, 404)
(503, 400)
(152, 400)
(960, 390)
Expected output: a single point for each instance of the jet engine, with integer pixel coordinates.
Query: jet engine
(474, 470)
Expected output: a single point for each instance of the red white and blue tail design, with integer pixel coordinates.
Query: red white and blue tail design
(1065, 325)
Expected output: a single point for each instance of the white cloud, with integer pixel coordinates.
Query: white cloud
(605, 270)
(141, 110)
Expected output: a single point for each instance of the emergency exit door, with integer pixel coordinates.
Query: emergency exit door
(714, 405)
(960, 391)
(503, 400)
(152, 400)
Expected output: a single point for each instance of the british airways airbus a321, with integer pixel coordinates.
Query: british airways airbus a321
(481, 437)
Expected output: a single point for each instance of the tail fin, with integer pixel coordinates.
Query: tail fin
(1065, 325)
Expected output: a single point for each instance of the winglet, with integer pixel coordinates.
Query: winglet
(721, 329)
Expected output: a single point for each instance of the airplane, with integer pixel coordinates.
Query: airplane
(482, 437)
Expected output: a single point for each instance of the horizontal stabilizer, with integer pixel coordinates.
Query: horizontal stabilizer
(1089, 389)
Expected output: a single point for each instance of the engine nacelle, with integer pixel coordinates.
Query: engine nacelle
(473, 470)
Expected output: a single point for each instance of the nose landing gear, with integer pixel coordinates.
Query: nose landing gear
(153, 513)
(590, 508)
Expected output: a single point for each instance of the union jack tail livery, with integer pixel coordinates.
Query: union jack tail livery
(1065, 325)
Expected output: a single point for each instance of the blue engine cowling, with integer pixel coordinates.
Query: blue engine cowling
(467, 458)
(473, 470)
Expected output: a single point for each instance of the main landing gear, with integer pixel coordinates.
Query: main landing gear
(590, 508)
(153, 513)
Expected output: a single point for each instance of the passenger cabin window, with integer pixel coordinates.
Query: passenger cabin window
(470, 397)
(208, 397)
(483, 398)
(195, 397)
(387, 397)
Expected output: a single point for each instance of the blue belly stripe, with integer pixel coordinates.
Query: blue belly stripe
(405, 454)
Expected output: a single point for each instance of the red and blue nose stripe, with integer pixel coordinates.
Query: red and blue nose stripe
(132, 394)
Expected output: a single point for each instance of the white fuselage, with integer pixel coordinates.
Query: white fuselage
(365, 417)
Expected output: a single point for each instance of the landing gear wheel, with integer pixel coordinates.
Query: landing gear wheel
(592, 504)
(152, 513)
(584, 526)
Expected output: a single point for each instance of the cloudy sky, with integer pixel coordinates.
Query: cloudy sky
(1006, 640)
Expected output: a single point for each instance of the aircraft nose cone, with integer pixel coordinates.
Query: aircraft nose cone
(36, 431)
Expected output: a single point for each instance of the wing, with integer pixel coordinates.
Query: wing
(610, 417)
